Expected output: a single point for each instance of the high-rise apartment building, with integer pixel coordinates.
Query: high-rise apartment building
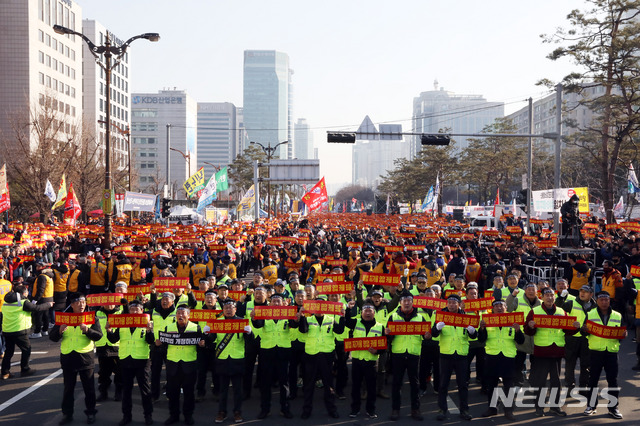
(218, 135)
(38, 66)
(266, 98)
(95, 92)
(156, 119)
(438, 109)
(303, 138)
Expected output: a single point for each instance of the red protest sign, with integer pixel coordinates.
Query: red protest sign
(236, 295)
(322, 307)
(474, 305)
(334, 287)
(408, 328)
(554, 321)
(228, 326)
(391, 280)
(102, 299)
(457, 320)
(503, 320)
(163, 284)
(206, 315)
(364, 343)
(425, 302)
(72, 320)
(128, 320)
(605, 331)
(275, 312)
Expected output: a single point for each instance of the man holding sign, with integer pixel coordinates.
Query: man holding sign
(76, 358)
(604, 345)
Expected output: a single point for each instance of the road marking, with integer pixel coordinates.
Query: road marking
(451, 406)
(39, 353)
(33, 388)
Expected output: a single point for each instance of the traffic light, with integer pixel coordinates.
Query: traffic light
(166, 205)
(435, 139)
(335, 137)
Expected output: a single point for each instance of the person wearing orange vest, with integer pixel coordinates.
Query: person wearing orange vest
(473, 270)
(60, 278)
(42, 293)
(611, 282)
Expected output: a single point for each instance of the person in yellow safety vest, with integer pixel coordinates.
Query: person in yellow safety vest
(405, 355)
(561, 286)
(206, 357)
(320, 332)
(604, 353)
(576, 346)
(181, 364)
(273, 362)
(476, 348)
(111, 264)
(162, 314)
(221, 273)
(548, 351)
(42, 293)
(271, 271)
(314, 268)
(363, 364)
(500, 346)
(16, 323)
(633, 285)
(76, 358)
(430, 353)
(183, 267)
(340, 360)
(230, 365)
(523, 301)
(138, 273)
(60, 279)
(232, 271)
(611, 282)
(99, 276)
(134, 363)
(454, 349)
(297, 349)
(107, 352)
(198, 272)
(75, 281)
(121, 272)
(578, 275)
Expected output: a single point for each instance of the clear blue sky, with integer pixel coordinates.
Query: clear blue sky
(351, 58)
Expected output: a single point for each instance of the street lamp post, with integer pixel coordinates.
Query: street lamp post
(108, 51)
(187, 157)
(126, 133)
(269, 150)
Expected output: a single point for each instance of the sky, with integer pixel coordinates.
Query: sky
(350, 58)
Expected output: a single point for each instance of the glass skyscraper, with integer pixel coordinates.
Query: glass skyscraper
(266, 100)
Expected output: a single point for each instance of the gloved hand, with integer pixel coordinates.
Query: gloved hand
(206, 329)
(564, 293)
(471, 329)
(247, 329)
(440, 325)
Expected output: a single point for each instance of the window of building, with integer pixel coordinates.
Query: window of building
(48, 79)
(54, 44)
(47, 40)
(47, 61)
(41, 78)
(145, 112)
(41, 57)
(40, 32)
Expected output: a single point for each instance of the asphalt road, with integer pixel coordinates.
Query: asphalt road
(36, 400)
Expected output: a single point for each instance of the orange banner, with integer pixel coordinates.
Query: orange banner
(228, 326)
(391, 280)
(169, 283)
(547, 243)
(335, 262)
(408, 328)
(275, 312)
(354, 244)
(514, 229)
(364, 343)
(414, 248)
(605, 331)
(457, 320)
(206, 315)
(425, 302)
(128, 320)
(186, 252)
(336, 278)
(450, 291)
(393, 249)
(635, 270)
(72, 320)
(322, 307)
(236, 295)
(474, 305)
(217, 247)
(503, 320)
(293, 265)
(101, 299)
(334, 287)
(554, 321)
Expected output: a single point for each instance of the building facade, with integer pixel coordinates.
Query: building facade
(39, 68)
(218, 135)
(95, 92)
(163, 122)
(266, 99)
(303, 140)
(438, 109)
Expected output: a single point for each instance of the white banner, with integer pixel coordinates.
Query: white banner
(551, 200)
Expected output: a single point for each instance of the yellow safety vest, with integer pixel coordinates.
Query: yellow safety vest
(548, 336)
(48, 290)
(182, 271)
(235, 347)
(601, 344)
(72, 282)
(159, 323)
(320, 337)
(501, 340)
(133, 344)
(359, 330)
(454, 340)
(14, 317)
(275, 334)
(60, 281)
(411, 344)
(73, 340)
(124, 273)
(185, 353)
(101, 316)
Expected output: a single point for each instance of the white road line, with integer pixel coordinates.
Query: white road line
(39, 353)
(26, 392)
(451, 406)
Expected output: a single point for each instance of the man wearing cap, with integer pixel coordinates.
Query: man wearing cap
(182, 366)
(76, 358)
(230, 365)
(133, 353)
(430, 352)
(314, 268)
(16, 323)
(548, 351)
(98, 275)
(297, 349)
(320, 342)
(523, 301)
(454, 349)
(275, 354)
(107, 352)
(476, 347)
(206, 357)
(109, 261)
(405, 355)
(198, 272)
(576, 346)
(42, 294)
(162, 314)
(604, 353)
(500, 346)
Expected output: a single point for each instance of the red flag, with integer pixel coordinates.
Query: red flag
(5, 201)
(497, 202)
(318, 195)
(72, 208)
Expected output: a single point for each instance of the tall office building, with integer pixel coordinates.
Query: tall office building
(95, 92)
(439, 109)
(266, 98)
(218, 135)
(303, 138)
(151, 113)
(38, 66)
